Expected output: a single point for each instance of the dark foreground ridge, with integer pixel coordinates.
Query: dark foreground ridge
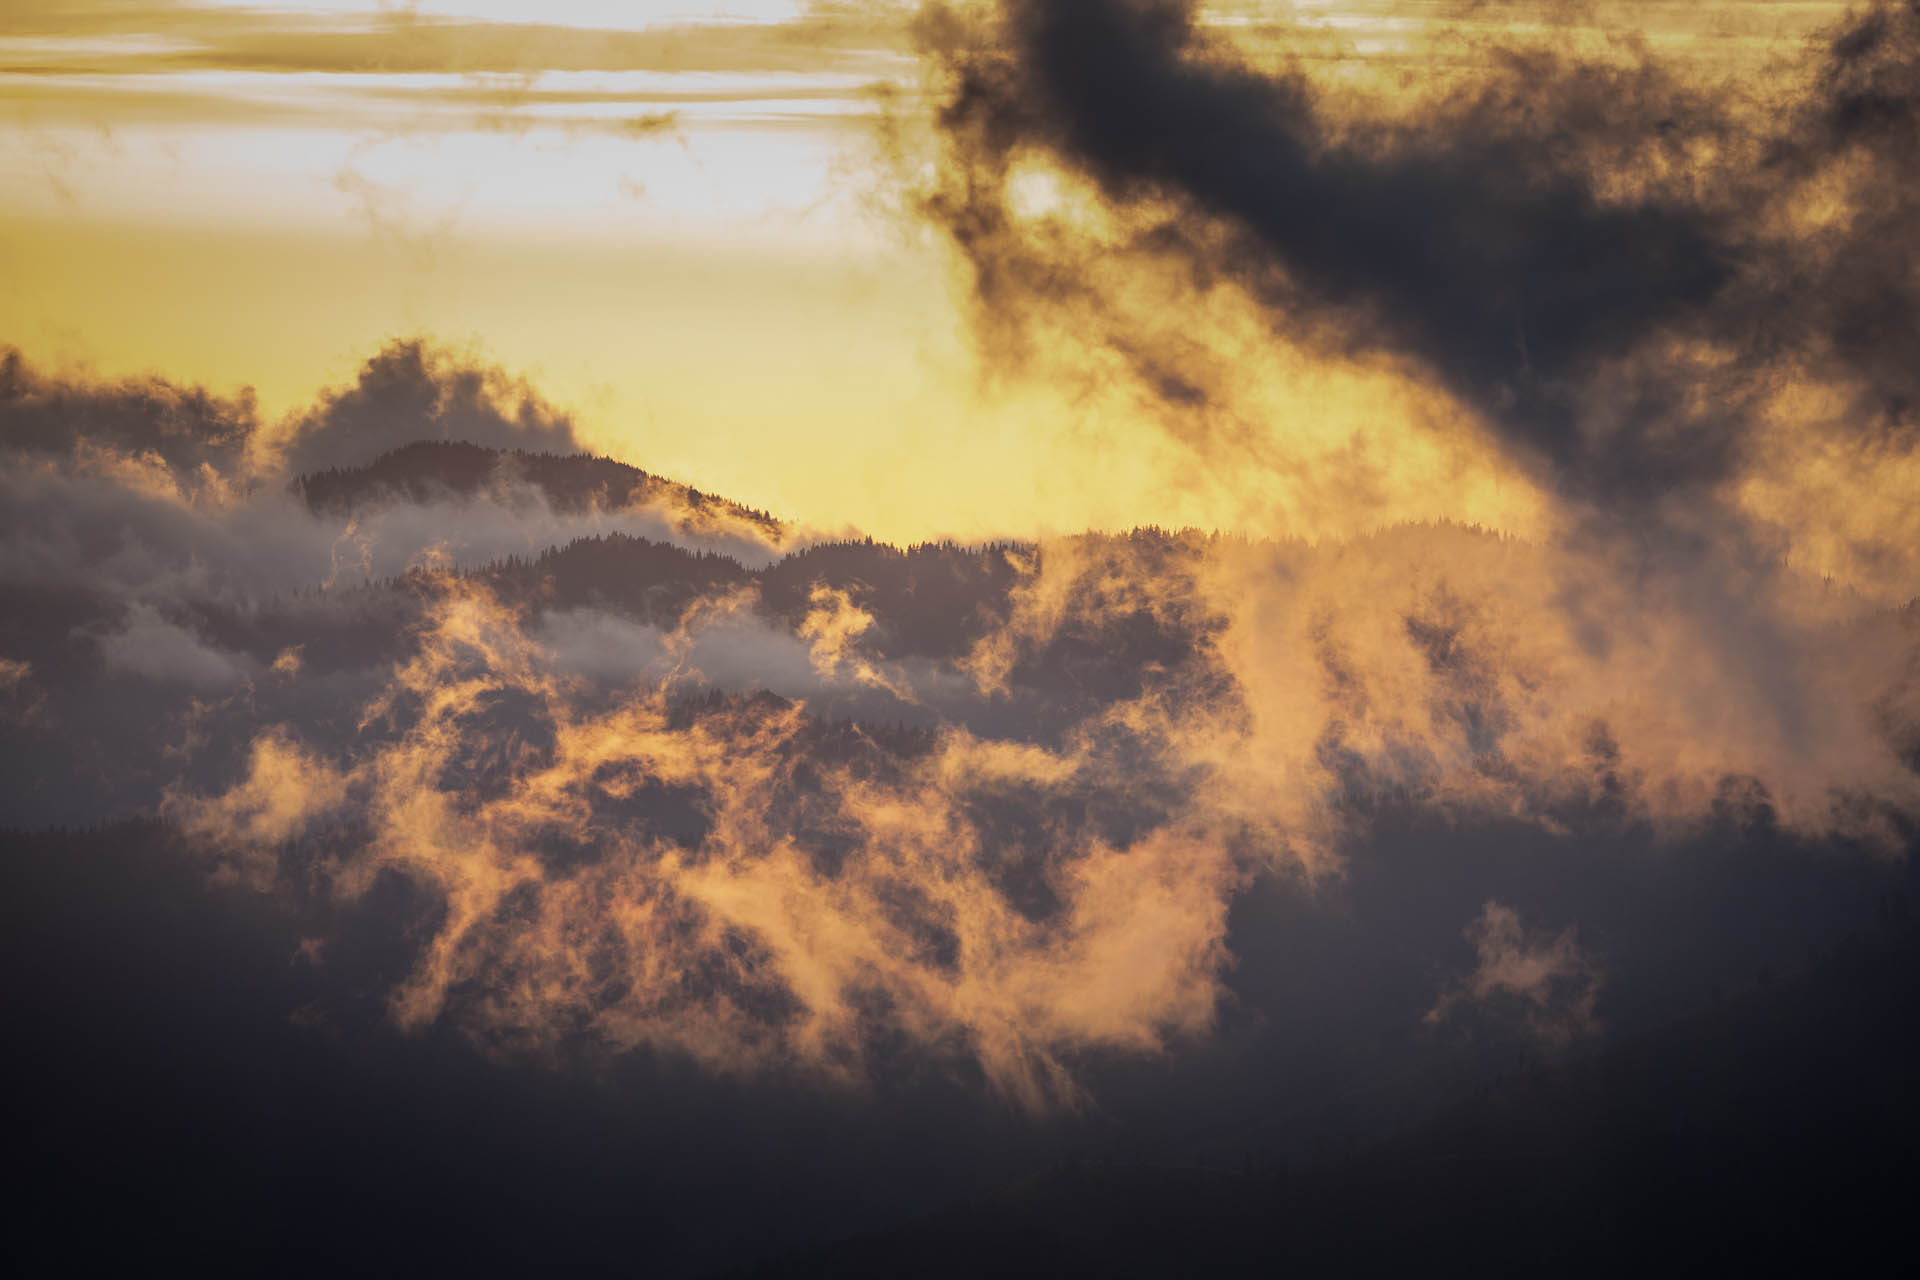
(189, 1088)
(1777, 1128)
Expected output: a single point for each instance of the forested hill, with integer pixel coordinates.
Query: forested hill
(429, 469)
(934, 599)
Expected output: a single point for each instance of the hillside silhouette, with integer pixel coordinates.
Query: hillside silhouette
(180, 1056)
(1776, 1128)
(430, 469)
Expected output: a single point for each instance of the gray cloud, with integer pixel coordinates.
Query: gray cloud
(154, 648)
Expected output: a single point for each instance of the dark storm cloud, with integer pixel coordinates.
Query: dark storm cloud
(1852, 289)
(1541, 237)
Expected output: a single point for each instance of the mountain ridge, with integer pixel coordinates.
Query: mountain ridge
(426, 469)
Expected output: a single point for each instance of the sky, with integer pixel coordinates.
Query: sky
(695, 227)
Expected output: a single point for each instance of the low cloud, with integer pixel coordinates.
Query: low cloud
(774, 892)
(165, 494)
(154, 648)
(1542, 979)
(620, 778)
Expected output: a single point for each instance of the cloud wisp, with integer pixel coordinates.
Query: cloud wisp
(1551, 983)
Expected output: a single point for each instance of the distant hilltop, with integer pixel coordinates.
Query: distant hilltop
(428, 469)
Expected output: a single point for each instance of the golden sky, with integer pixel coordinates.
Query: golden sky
(680, 221)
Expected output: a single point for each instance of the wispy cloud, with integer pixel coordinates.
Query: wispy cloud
(1543, 980)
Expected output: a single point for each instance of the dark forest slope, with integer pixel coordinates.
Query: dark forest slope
(1778, 1128)
(428, 469)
